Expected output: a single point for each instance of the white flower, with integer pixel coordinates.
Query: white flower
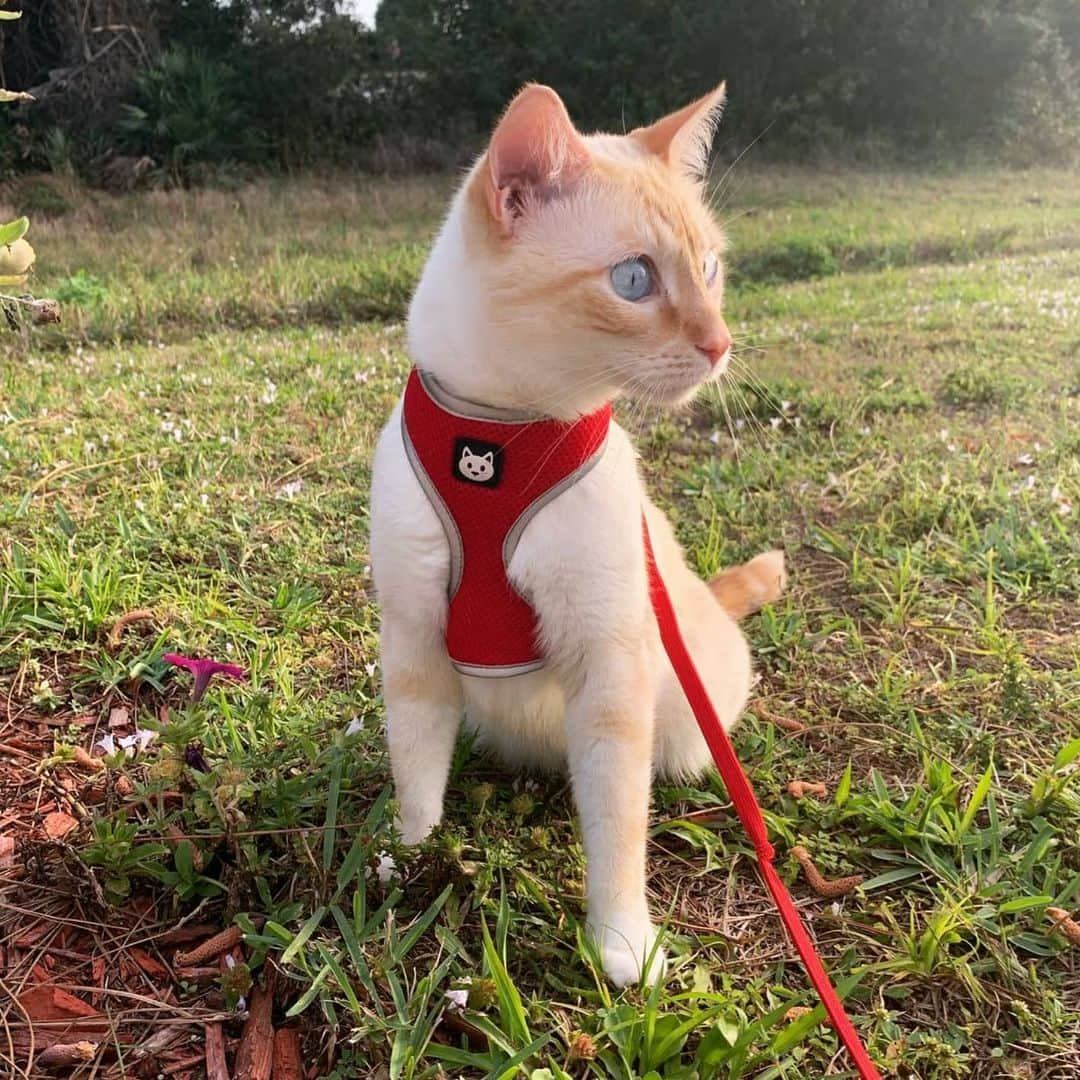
(354, 726)
(371, 669)
(269, 394)
(456, 1000)
(137, 742)
(384, 869)
(107, 743)
(1025, 459)
(290, 489)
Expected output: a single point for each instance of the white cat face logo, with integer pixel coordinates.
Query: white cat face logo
(476, 467)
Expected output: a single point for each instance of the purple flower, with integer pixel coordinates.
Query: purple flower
(204, 671)
(194, 757)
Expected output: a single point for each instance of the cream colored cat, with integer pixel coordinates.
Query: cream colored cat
(571, 270)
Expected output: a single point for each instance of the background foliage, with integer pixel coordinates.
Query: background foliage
(299, 82)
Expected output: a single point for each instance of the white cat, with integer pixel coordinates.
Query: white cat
(476, 467)
(571, 269)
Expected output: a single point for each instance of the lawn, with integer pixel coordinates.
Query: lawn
(191, 448)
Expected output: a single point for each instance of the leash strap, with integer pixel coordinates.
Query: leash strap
(746, 806)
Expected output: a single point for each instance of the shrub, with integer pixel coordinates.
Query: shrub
(186, 114)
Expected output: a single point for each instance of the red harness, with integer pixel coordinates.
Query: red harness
(486, 477)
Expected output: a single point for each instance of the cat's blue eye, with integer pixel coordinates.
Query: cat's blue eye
(709, 267)
(632, 279)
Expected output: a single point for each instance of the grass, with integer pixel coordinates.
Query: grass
(195, 440)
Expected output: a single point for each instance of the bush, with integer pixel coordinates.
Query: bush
(794, 260)
(186, 114)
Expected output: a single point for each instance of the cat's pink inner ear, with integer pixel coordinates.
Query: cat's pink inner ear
(683, 138)
(535, 153)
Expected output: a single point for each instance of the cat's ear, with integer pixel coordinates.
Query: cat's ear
(683, 138)
(489, 457)
(535, 154)
(466, 452)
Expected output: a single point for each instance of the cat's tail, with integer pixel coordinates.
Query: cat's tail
(742, 590)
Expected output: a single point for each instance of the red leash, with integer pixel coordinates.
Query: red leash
(742, 795)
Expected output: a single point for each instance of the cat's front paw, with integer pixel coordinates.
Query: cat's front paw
(417, 826)
(629, 951)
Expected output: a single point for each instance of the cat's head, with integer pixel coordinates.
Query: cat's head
(576, 267)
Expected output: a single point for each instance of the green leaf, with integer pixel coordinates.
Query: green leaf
(330, 833)
(185, 863)
(511, 1065)
(419, 928)
(843, 789)
(13, 230)
(890, 877)
(309, 995)
(306, 931)
(978, 797)
(1067, 754)
(7, 16)
(1022, 903)
(511, 1010)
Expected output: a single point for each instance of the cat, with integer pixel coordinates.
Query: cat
(571, 269)
(476, 467)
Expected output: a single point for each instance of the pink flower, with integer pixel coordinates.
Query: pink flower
(204, 671)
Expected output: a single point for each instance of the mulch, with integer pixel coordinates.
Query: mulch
(89, 987)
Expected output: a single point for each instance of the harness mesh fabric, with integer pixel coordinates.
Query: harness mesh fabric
(484, 504)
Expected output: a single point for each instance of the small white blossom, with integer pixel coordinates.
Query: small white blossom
(384, 869)
(290, 489)
(456, 1000)
(354, 726)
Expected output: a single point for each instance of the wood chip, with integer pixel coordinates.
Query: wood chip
(7, 852)
(148, 964)
(828, 889)
(799, 789)
(58, 824)
(1065, 923)
(46, 1002)
(208, 950)
(255, 1056)
(216, 1067)
(66, 1055)
(118, 717)
(204, 973)
(287, 1061)
(181, 935)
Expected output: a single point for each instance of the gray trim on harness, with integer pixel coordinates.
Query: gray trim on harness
(465, 409)
(513, 536)
(492, 672)
(453, 537)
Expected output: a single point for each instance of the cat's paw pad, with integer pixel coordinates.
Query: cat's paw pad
(631, 955)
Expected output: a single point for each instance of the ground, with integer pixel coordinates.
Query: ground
(193, 443)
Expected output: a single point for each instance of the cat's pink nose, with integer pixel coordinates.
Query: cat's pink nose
(715, 344)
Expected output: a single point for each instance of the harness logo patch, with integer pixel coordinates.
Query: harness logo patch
(478, 462)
